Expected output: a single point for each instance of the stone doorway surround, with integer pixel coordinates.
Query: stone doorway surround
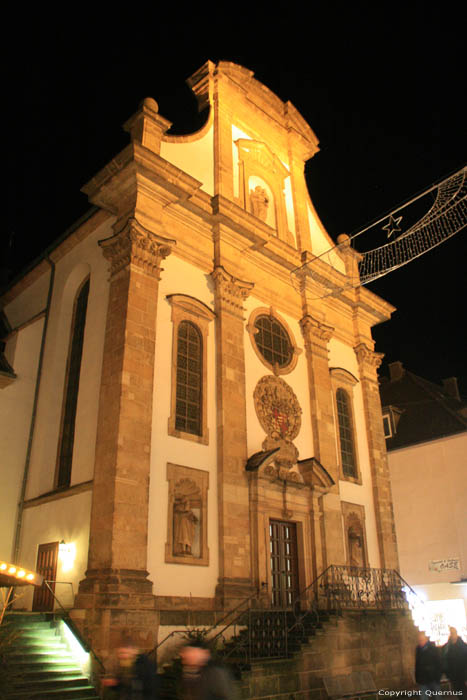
(298, 496)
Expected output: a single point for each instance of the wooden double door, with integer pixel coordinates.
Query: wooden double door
(284, 563)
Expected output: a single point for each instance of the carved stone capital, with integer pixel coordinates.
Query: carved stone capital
(315, 331)
(368, 357)
(230, 290)
(136, 245)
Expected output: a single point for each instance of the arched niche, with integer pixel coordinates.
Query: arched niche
(260, 167)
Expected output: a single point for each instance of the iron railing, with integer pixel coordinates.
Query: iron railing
(353, 587)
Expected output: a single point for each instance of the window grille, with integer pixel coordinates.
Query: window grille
(188, 406)
(273, 341)
(344, 416)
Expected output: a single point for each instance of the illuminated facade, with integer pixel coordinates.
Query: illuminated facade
(199, 404)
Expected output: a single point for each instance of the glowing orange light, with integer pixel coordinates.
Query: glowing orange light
(21, 573)
(3, 566)
(30, 577)
(12, 570)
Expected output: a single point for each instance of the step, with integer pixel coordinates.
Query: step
(30, 625)
(83, 693)
(51, 674)
(52, 645)
(63, 682)
(32, 657)
(65, 667)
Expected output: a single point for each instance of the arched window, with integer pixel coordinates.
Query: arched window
(188, 405)
(346, 436)
(67, 437)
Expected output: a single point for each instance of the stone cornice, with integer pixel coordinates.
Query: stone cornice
(137, 246)
(117, 183)
(230, 290)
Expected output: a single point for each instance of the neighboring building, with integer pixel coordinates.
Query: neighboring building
(426, 436)
(190, 417)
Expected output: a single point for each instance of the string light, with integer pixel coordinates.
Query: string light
(18, 572)
(446, 217)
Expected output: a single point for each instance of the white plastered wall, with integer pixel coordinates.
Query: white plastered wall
(65, 519)
(84, 260)
(16, 401)
(195, 157)
(30, 302)
(322, 245)
(180, 277)
(341, 355)
(429, 489)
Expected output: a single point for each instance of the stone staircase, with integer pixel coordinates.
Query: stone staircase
(40, 663)
(380, 643)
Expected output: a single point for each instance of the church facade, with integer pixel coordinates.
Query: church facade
(188, 417)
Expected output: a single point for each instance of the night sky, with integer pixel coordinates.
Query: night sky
(381, 87)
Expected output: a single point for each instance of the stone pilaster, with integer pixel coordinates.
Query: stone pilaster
(317, 335)
(235, 576)
(369, 362)
(116, 593)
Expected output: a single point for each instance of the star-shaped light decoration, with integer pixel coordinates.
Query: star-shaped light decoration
(393, 225)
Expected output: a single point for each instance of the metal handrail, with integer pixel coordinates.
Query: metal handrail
(234, 621)
(86, 646)
(219, 622)
(65, 583)
(409, 586)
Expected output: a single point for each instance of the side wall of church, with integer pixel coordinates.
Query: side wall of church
(22, 351)
(52, 515)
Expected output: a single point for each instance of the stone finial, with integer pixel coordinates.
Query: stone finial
(451, 388)
(350, 256)
(147, 126)
(396, 371)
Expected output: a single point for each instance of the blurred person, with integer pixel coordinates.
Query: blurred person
(455, 662)
(131, 676)
(427, 665)
(203, 678)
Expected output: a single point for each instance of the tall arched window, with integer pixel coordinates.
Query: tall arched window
(188, 406)
(346, 436)
(67, 437)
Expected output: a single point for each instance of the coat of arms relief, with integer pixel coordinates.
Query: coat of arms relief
(280, 416)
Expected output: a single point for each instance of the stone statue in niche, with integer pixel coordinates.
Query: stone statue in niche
(185, 526)
(187, 516)
(356, 556)
(259, 202)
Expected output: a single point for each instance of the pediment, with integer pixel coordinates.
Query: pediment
(259, 153)
(314, 474)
